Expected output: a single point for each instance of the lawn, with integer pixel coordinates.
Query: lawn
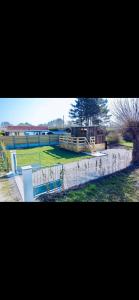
(121, 187)
(127, 145)
(47, 155)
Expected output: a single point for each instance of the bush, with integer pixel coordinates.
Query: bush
(113, 137)
(1, 133)
(127, 137)
(56, 129)
(6, 157)
(68, 130)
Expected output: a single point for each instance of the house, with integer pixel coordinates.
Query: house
(25, 130)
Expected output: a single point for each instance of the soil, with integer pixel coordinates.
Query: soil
(8, 189)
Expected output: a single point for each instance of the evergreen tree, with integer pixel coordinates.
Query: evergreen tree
(89, 111)
(25, 124)
(77, 111)
(104, 116)
(57, 123)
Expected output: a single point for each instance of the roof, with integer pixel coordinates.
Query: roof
(83, 126)
(28, 128)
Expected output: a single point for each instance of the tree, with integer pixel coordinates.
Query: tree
(77, 112)
(43, 124)
(69, 124)
(5, 124)
(103, 114)
(89, 111)
(126, 113)
(57, 123)
(24, 124)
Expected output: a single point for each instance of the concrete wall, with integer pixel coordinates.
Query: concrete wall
(17, 133)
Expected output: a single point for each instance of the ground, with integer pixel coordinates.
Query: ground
(121, 144)
(47, 155)
(121, 187)
(8, 190)
(50, 155)
(127, 145)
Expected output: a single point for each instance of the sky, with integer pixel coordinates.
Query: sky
(35, 111)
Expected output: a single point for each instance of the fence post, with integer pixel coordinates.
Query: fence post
(27, 183)
(27, 141)
(13, 142)
(13, 161)
(38, 140)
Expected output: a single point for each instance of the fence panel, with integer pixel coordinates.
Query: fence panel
(8, 141)
(47, 180)
(88, 169)
(18, 142)
(44, 140)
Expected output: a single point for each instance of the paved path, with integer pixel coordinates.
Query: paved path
(8, 190)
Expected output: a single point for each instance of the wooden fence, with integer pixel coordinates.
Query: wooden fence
(18, 142)
(81, 144)
(99, 139)
(72, 140)
(13, 142)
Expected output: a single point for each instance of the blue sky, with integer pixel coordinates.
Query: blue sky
(34, 111)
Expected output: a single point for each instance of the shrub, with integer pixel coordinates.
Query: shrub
(113, 137)
(6, 157)
(56, 129)
(1, 133)
(127, 137)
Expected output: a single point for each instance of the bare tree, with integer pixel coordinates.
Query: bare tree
(126, 113)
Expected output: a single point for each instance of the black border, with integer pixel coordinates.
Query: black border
(99, 77)
(104, 222)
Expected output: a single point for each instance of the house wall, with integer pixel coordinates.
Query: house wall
(21, 133)
(16, 133)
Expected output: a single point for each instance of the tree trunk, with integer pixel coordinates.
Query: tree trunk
(135, 154)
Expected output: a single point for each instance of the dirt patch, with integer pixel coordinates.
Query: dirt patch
(8, 190)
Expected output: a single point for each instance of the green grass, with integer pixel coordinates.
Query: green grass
(121, 187)
(128, 145)
(47, 155)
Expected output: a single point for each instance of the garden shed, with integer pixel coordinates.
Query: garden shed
(90, 131)
(84, 139)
